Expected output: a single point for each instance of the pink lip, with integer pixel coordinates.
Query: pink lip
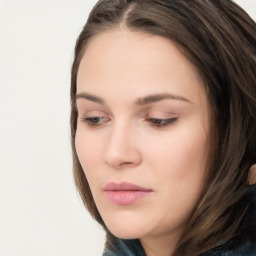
(125, 193)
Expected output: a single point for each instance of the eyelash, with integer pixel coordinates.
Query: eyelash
(155, 122)
(91, 121)
(161, 123)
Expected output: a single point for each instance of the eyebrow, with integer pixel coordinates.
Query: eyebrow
(152, 98)
(90, 97)
(158, 97)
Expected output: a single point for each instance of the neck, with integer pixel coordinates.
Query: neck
(160, 246)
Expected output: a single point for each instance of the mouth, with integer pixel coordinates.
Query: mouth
(125, 193)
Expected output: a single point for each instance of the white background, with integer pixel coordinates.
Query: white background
(41, 213)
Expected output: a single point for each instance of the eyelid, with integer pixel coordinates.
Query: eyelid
(161, 115)
(93, 121)
(93, 113)
(160, 123)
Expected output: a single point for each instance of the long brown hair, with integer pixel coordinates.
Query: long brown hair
(219, 38)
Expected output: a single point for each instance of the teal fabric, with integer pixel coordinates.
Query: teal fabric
(243, 245)
(125, 248)
(248, 249)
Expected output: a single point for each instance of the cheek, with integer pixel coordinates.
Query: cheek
(178, 168)
(182, 148)
(88, 151)
(179, 159)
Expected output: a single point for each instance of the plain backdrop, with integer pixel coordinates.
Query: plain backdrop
(41, 213)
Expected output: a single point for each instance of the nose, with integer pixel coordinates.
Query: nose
(121, 150)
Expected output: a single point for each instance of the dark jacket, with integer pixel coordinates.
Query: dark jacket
(242, 245)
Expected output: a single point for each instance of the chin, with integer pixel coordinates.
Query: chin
(126, 231)
(125, 234)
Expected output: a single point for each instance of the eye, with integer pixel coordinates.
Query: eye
(94, 121)
(160, 123)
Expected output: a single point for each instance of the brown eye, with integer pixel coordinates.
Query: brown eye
(161, 122)
(94, 121)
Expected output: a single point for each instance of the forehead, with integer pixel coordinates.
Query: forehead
(135, 61)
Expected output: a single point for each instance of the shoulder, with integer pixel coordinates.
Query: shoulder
(247, 249)
(122, 247)
(245, 243)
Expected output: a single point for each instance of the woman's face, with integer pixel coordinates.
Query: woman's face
(142, 132)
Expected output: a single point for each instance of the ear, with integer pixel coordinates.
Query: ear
(252, 175)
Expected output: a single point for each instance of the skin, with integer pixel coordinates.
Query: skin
(252, 175)
(120, 66)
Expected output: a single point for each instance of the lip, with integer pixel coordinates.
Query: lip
(125, 193)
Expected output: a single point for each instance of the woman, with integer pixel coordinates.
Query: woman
(163, 123)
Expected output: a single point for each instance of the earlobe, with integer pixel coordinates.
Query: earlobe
(252, 175)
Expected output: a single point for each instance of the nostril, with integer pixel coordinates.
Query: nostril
(125, 163)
